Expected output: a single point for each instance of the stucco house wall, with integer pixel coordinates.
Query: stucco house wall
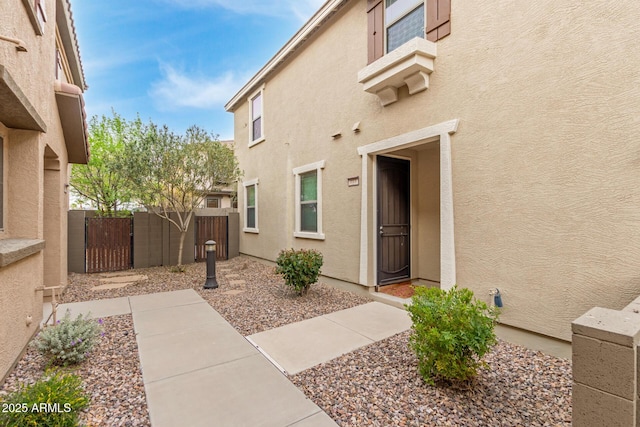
(42, 128)
(543, 159)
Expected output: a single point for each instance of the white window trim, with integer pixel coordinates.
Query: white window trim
(317, 166)
(246, 184)
(253, 142)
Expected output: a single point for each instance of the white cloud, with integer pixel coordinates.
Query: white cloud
(301, 9)
(177, 89)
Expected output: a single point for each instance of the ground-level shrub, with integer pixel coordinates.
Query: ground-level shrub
(69, 341)
(53, 401)
(299, 268)
(452, 331)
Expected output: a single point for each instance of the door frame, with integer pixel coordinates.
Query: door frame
(439, 132)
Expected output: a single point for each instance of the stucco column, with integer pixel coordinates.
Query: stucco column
(364, 225)
(605, 368)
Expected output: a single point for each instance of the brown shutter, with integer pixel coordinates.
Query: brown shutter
(438, 19)
(375, 35)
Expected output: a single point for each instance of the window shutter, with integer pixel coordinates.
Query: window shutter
(438, 19)
(375, 34)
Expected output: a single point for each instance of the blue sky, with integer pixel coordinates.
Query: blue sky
(177, 62)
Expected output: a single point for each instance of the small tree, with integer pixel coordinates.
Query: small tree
(172, 174)
(101, 181)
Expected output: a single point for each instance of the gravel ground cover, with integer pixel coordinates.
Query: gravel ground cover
(111, 376)
(377, 385)
(250, 296)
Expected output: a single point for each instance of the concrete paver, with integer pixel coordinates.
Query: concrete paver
(245, 392)
(164, 299)
(174, 319)
(131, 278)
(97, 308)
(179, 352)
(302, 345)
(374, 320)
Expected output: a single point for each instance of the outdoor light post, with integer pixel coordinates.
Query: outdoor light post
(210, 247)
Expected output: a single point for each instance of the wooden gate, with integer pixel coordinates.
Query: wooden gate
(108, 244)
(212, 228)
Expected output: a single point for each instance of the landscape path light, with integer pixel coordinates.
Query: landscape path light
(211, 282)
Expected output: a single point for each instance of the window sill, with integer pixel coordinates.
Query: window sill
(410, 64)
(13, 250)
(256, 142)
(305, 235)
(251, 230)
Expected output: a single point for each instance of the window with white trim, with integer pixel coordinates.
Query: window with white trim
(308, 200)
(256, 121)
(41, 12)
(250, 206)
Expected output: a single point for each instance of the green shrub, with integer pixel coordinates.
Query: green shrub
(69, 341)
(299, 268)
(55, 400)
(451, 333)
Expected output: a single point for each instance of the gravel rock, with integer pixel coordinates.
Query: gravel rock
(377, 385)
(250, 296)
(111, 376)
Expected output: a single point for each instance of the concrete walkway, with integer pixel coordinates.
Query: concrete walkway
(199, 371)
(302, 345)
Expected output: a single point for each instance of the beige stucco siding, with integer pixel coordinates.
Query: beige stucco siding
(36, 175)
(546, 188)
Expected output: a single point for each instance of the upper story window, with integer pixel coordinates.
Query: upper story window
(404, 20)
(256, 132)
(58, 65)
(392, 23)
(213, 202)
(41, 12)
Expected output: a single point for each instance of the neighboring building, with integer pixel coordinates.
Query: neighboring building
(499, 152)
(42, 130)
(220, 199)
(226, 198)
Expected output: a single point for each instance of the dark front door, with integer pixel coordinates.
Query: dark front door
(393, 220)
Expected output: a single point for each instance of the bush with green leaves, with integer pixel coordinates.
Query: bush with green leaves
(299, 268)
(70, 340)
(53, 401)
(451, 333)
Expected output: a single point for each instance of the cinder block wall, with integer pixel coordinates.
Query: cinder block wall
(605, 367)
(75, 241)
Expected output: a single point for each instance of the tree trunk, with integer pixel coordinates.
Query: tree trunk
(183, 234)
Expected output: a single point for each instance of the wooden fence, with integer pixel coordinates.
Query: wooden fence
(108, 244)
(214, 228)
(146, 240)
